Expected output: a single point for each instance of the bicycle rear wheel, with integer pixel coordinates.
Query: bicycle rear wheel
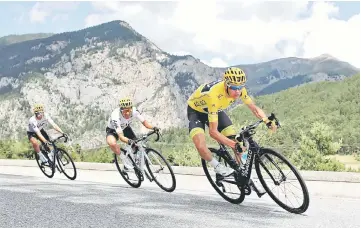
(268, 161)
(64, 159)
(233, 189)
(44, 167)
(132, 177)
(158, 163)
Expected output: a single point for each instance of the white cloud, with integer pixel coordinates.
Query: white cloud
(41, 10)
(237, 33)
(37, 14)
(216, 62)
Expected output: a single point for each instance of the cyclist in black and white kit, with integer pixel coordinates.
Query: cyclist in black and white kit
(119, 126)
(36, 130)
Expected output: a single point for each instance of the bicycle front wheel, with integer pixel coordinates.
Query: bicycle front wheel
(66, 164)
(275, 171)
(160, 170)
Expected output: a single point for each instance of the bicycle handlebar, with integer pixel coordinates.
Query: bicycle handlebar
(147, 135)
(56, 139)
(254, 125)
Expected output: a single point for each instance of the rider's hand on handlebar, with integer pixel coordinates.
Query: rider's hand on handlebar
(156, 129)
(238, 148)
(131, 142)
(271, 124)
(46, 145)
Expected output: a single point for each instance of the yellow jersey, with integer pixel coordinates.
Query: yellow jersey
(212, 97)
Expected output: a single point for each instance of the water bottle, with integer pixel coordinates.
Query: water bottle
(51, 155)
(244, 157)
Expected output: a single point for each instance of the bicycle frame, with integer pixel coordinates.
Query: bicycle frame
(141, 154)
(54, 155)
(243, 171)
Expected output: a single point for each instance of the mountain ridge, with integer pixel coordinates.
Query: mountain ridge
(80, 75)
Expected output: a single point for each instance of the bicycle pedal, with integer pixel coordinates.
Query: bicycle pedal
(219, 184)
(253, 186)
(219, 177)
(247, 191)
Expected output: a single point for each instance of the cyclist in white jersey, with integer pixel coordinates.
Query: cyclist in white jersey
(119, 126)
(36, 130)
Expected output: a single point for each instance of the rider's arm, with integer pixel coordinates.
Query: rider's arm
(213, 124)
(142, 119)
(214, 133)
(122, 137)
(258, 112)
(41, 137)
(55, 126)
(115, 124)
(147, 124)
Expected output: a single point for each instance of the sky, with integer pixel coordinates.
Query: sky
(221, 33)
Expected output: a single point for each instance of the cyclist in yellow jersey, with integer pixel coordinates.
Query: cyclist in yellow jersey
(205, 107)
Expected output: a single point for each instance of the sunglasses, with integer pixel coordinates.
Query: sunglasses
(233, 87)
(126, 109)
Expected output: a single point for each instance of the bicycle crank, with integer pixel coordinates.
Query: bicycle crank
(253, 186)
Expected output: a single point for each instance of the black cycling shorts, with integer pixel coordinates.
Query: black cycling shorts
(128, 132)
(33, 134)
(198, 120)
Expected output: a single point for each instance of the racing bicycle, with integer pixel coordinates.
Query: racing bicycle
(141, 156)
(57, 158)
(271, 167)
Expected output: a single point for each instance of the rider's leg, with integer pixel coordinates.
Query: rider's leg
(196, 131)
(33, 140)
(226, 127)
(129, 133)
(199, 140)
(35, 144)
(112, 138)
(227, 132)
(112, 142)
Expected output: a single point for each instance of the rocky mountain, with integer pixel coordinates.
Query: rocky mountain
(81, 75)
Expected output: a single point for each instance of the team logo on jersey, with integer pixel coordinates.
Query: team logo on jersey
(124, 125)
(199, 103)
(220, 96)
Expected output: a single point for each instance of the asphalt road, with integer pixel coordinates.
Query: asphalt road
(32, 200)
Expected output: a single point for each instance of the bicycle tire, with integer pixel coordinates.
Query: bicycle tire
(71, 160)
(214, 185)
(40, 166)
(136, 171)
(306, 201)
(172, 188)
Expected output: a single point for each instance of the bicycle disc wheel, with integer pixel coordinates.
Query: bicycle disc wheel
(44, 167)
(233, 189)
(64, 159)
(158, 163)
(132, 177)
(277, 173)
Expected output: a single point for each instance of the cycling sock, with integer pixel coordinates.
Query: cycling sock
(214, 162)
